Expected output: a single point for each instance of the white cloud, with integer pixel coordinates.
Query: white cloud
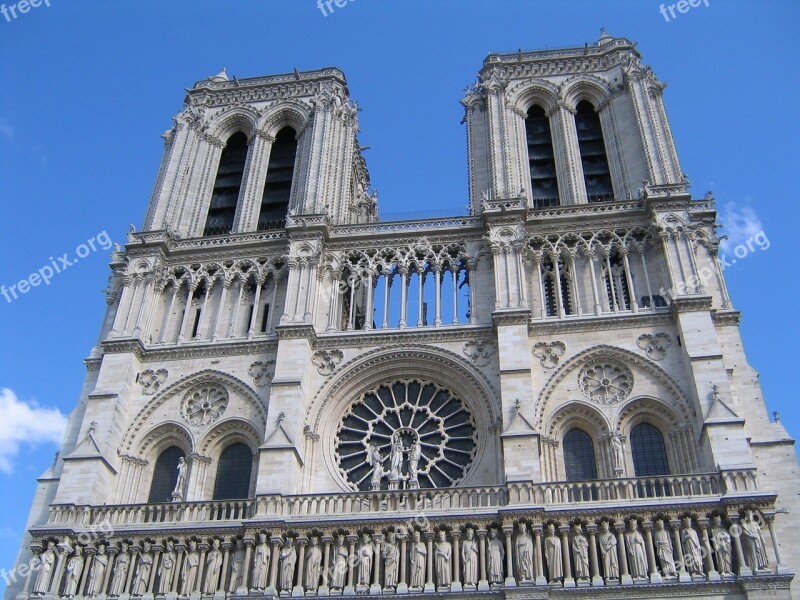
(26, 423)
(740, 224)
(6, 130)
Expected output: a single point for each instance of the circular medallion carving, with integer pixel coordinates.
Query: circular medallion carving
(204, 404)
(605, 381)
(406, 435)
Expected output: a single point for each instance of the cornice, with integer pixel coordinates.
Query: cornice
(511, 317)
(723, 318)
(642, 320)
(685, 304)
(410, 336)
(190, 350)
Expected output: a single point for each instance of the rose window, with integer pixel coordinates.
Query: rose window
(406, 435)
(204, 404)
(605, 382)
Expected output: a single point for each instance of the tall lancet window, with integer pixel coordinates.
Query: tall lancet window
(165, 475)
(541, 159)
(579, 460)
(596, 174)
(233, 473)
(649, 453)
(226, 186)
(278, 187)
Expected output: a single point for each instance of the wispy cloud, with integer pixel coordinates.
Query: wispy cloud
(25, 424)
(6, 130)
(741, 223)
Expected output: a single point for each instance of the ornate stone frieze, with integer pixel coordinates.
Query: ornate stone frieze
(549, 353)
(150, 380)
(327, 360)
(655, 345)
(204, 404)
(605, 381)
(480, 352)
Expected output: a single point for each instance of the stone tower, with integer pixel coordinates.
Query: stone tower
(292, 397)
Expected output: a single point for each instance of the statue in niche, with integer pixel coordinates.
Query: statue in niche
(48, 559)
(608, 550)
(375, 460)
(191, 565)
(495, 553)
(755, 552)
(261, 563)
(396, 462)
(340, 554)
(637, 557)
(552, 554)
(692, 552)
(180, 484)
(120, 573)
(469, 556)
(73, 572)
(390, 555)
(721, 542)
(97, 572)
(213, 568)
(237, 567)
(288, 559)
(619, 459)
(141, 578)
(414, 454)
(580, 552)
(443, 555)
(365, 554)
(524, 546)
(166, 569)
(419, 553)
(313, 564)
(663, 548)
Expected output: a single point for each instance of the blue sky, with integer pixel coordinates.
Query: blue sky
(88, 86)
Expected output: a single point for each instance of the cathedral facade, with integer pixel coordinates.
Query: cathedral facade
(546, 397)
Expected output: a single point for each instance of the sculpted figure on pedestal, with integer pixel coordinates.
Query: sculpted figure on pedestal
(692, 554)
(663, 548)
(141, 578)
(390, 555)
(340, 554)
(288, 559)
(191, 564)
(495, 554)
(755, 552)
(552, 554)
(120, 573)
(580, 552)
(72, 575)
(261, 557)
(608, 551)
(419, 553)
(524, 546)
(637, 556)
(166, 569)
(721, 541)
(48, 559)
(237, 567)
(213, 568)
(444, 556)
(469, 558)
(313, 564)
(365, 554)
(97, 572)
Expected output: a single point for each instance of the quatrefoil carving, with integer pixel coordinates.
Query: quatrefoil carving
(326, 361)
(480, 352)
(262, 372)
(549, 353)
(654, 345)
(151, 380)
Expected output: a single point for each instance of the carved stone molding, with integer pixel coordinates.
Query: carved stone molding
(480, 352)
(262, 372)
(655, 345)
(549, 353)
(326, 361)
(150, 380)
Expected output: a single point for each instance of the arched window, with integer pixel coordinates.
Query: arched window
(649, 453)
(596, 174)
(552, 301)
(278, 187)
(165, 475)
(225, 195)
(541, 159)
(233, 473)
(579, 460)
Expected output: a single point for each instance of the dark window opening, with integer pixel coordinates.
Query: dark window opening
(165, 475)
(596, 174)
(579, 460)
(278, 186)
(265, 318)
(196, 325)
(227, 185)
(617, 290)
(541, 158)
(649, 452)
(233, 473)
(657, 301)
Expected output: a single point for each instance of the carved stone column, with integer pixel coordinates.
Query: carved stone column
(272, 586)
(301, 562)
(402, 584)
(624, 576)
(324, 588)
(151, 585)
(781, 567)
(676, 529)
(713, 574)
(377, 538)
(89, 552)
(508, 530)
(594, 563)
(203, 547)
(483, 583)
(350, 589)
(430, 586)
(655, 576)
(456, 586)
(537, 553)
(569, 580)
(55, 582)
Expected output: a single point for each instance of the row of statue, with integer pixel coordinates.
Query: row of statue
(580, 554)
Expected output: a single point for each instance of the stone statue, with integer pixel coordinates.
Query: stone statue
(180, 484)
(414, 454)
(97, 572)
(375, 460)
(213, 568)
(313, 564)
(288, 559)
(637, 556)
(469, 557)
(419, 553)
(390, 555)
(721, 542)
(524, 546)
(495, 554)
(608, 551)
(261, 558)
(48, 559)
(237, 567)
(73, 572)
(141, 578)
(616, 444)
(120, 573)
(340, 554)
(580, 552)
(191, 565)
(692, 554)
(663, 548)
(365, 554)
(396, 460)
(755, 552)
(443, 555)
(552, 554)
(166, 570)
